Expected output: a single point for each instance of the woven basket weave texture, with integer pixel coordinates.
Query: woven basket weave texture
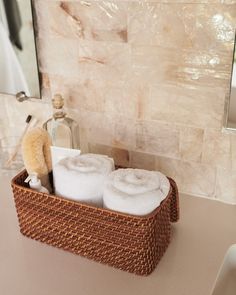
(131, 243)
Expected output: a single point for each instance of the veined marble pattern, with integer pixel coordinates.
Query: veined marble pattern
(170, 103)
(147, 82)
(144, 84)
(164, 1)
(88, 20)
(208, 67)
(158, 138)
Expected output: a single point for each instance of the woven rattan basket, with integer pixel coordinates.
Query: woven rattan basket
(131, 243)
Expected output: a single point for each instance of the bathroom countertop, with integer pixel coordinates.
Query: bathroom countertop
(189, 267)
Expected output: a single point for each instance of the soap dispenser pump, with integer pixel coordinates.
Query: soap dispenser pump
(35, 183)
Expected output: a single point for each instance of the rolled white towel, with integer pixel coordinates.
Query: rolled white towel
(135, 191)
(82, 177)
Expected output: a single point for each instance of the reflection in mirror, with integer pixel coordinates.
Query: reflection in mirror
(231, 113)
(18, 61)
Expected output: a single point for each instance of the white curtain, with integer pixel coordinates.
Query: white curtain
(3, 17)
(12, 79)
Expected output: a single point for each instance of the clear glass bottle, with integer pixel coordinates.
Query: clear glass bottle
(63, 130)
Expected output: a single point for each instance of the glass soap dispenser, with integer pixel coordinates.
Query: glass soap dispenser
(63, 130)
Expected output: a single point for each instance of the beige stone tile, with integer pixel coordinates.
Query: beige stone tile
(179, 58)
(200, 107)
(41, 19)
(66, 86)
(45, 86)
(80, 93)
(88, 20)
(226, 186)
(149, 25)
(45, 81)
(163, 1)
(99, 128)
(89, 96)
(192, 178)
(229, 1)
(189, 68)
(126, 98)
(157, 138)
(142, 160)
(191, 143)
(103, 129)
(195, 25)
(54, 21)
(119, 99)
(124, 135)
(233, 151)
(107, 61)
(59, 56)
(216, 149)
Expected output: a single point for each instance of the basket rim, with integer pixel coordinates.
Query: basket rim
(91, 207)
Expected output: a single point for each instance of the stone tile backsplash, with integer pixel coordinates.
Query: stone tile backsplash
(147, 81)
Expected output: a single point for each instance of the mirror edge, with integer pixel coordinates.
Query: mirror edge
(228, 94)
(35, 31)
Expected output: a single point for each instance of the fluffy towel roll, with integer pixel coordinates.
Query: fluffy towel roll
(82, 177)
(135, 191)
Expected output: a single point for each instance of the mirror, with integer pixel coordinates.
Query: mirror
(231, 104)
(18, 58)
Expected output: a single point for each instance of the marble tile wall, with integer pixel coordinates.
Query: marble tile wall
(147, 81)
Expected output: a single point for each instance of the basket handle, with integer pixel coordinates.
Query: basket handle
(174, 205)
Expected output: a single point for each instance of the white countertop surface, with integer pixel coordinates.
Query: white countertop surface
(199, 241)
